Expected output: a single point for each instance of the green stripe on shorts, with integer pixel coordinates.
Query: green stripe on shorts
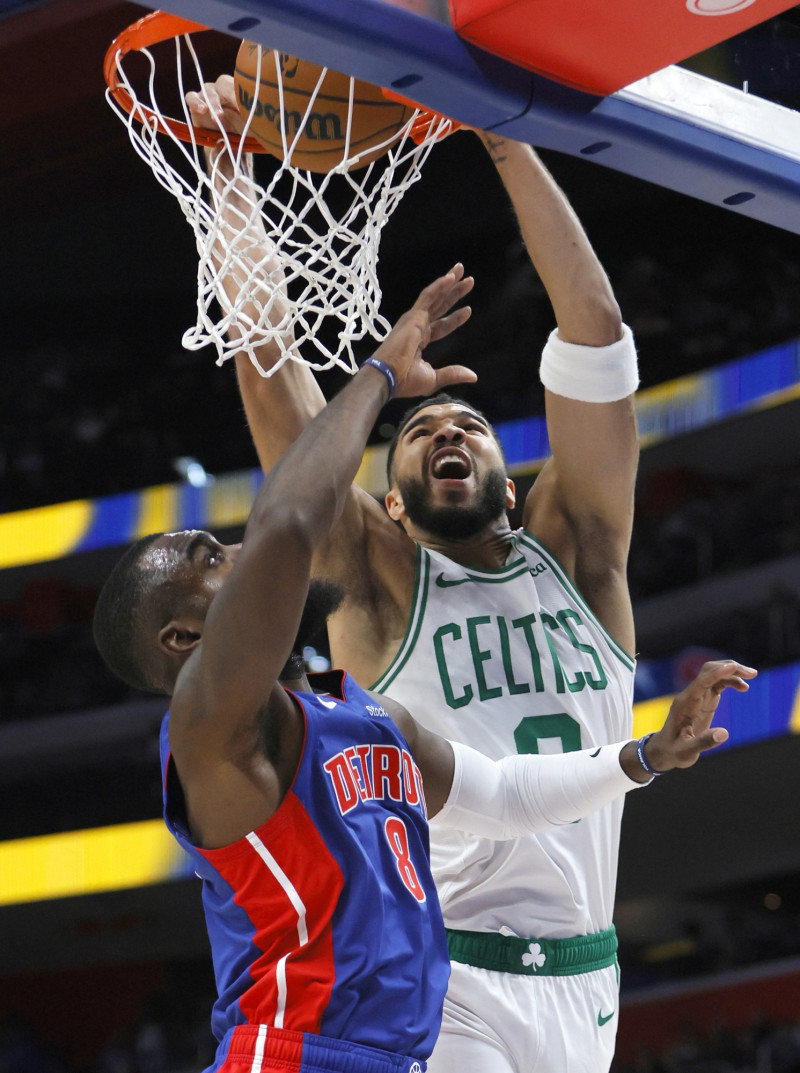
(533, 957)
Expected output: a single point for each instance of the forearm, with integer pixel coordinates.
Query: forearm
(251, 280)
(279, 407)
(314, 476)
(235, 201)
(577, 285)
(524, 794)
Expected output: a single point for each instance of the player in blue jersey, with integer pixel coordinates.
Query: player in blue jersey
(505, 640)
(306, 812)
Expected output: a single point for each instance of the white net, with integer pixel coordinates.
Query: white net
(287, 267)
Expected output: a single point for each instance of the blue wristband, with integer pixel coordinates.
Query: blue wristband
(382, 367)
(640, 744)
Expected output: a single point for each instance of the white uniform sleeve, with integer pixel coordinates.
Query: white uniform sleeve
(517, 795)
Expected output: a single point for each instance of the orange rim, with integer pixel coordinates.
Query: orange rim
(150, 30)
(422, 125)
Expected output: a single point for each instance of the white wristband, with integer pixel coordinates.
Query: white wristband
(590, 373)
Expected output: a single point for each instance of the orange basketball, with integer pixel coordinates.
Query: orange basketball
(321, 146)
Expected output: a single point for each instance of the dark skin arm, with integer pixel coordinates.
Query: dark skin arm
(228, 686)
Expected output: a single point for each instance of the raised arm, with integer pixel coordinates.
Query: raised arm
(581, 506)
(227, 686)
(279, 407)
(366, 553)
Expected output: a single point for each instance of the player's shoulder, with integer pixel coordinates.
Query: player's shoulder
(398, 714)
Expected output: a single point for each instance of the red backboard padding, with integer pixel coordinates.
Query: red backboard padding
(599, 46)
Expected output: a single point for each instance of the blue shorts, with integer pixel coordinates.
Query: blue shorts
(260, 1049)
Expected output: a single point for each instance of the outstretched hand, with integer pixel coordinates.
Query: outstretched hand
(214, 107)
(687, 731)
(431, 317)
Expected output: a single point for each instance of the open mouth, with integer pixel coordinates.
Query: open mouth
(450, 465)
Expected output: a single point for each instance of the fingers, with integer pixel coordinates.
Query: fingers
(438, 299)
(718, 675)
(454, 374)
(440, 296)
(226, 90)
(445, 325)
(460, 288)
(689, 750)
(709, 738)
(214, 106)
(429, 319)
(202, 111)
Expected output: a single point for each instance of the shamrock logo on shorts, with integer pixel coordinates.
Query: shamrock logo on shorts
(535, 957)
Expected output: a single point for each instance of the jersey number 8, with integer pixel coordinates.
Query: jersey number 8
(397, 837)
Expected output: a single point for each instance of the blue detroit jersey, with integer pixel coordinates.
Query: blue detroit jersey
(325, 918)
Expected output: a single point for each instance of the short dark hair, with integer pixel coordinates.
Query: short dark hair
(442, 399)
(117, 615)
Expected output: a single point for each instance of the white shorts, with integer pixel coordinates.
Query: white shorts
(499, 1022)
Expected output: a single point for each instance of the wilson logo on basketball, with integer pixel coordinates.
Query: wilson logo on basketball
(288, 65)
(328, 117)
(318, 126)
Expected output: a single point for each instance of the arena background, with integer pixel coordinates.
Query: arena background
(97, 272)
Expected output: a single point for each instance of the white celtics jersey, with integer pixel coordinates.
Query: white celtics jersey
(513, 661)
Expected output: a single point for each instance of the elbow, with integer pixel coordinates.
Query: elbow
(609, 321)
(286, 523)
(596, 320)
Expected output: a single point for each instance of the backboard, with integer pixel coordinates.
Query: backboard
(721, 127)
(712, 138)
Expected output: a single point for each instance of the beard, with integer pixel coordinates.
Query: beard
(324, 597)
(455, 523)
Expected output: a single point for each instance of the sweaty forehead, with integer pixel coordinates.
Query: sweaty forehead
(163, 553)
(170, 549)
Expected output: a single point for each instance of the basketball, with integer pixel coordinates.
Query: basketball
(375, 123)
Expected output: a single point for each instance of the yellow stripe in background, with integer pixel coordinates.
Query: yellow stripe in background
(159, 510)
(87, 862)
(35, 536)
(649, 715)
(371, 474)
(794, 718)
(229, 500)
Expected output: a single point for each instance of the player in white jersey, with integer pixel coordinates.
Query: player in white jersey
(532, 671)
(525, 656)
(513, 660)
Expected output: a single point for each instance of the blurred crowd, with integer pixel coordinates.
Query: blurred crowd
(106, 405)
(761, 1047)
(159, 1042)
(692, 526)
(720, 937)
(688, 529)
(115, 410)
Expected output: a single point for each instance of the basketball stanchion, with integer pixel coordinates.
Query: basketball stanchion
(303, 255)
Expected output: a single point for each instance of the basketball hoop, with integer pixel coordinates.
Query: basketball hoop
(303, 251)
